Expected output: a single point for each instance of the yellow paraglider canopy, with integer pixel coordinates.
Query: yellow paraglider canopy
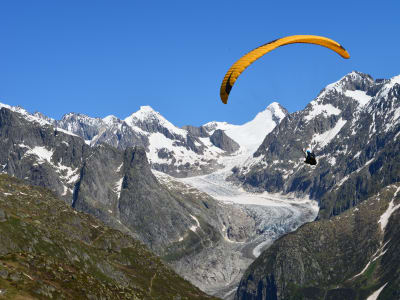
(246, 60)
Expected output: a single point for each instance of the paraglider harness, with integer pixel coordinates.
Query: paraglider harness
(310, 158)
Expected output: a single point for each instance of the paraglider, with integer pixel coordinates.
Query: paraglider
(239, 66)
(310, 158)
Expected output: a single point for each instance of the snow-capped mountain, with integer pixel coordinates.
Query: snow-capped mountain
(177, 151)
(251, 134)
(353, 127)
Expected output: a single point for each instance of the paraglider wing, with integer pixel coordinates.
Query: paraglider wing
(246, 60)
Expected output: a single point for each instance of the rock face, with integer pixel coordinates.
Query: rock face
(349, 256)
(50, 251)
(224, 142)
(352, 126)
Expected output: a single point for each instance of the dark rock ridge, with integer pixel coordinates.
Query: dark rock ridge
(224, 142)
(197, 131)
(353, 127)
(347, 257)
(50, 251)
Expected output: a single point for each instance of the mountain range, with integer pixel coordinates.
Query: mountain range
(211, 199)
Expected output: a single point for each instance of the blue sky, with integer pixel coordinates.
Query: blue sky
(111, 57)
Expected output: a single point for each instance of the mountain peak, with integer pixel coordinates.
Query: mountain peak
(277, 110)
(111, 119)
(145, 112)
(147, 115)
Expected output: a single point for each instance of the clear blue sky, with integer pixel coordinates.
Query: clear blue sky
(111, 57)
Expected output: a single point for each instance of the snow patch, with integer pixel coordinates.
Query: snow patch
(388, 86)
(321, 109)
(42, 153)
(384, 219)
(118, 187)
(146, 114)
(375, 294)
(194, 227)
(251, 134)
(119, 168)
(360, 96)
(325, 138)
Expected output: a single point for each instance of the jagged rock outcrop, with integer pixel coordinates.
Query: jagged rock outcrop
(196, 131)
(224, 142)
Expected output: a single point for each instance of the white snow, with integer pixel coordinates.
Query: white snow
(119, 168)
(321, 109)
(24, 146)
(388, 86)
(66, 132)
(332, 160)
(194, 227)
(42, 153)
(397, 135)
(384, 219)
(118, 187)
(325, 138)
(146, 113)
(158, 141)
(251, 134)
(375, 294)
(65, 191)
(359, 96)
(69, 175)
(110, 120)
(357, 155)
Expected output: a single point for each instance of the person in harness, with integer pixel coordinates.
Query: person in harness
(310, 158)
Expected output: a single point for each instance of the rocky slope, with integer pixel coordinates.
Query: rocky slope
(50, 251)
(350, 256)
